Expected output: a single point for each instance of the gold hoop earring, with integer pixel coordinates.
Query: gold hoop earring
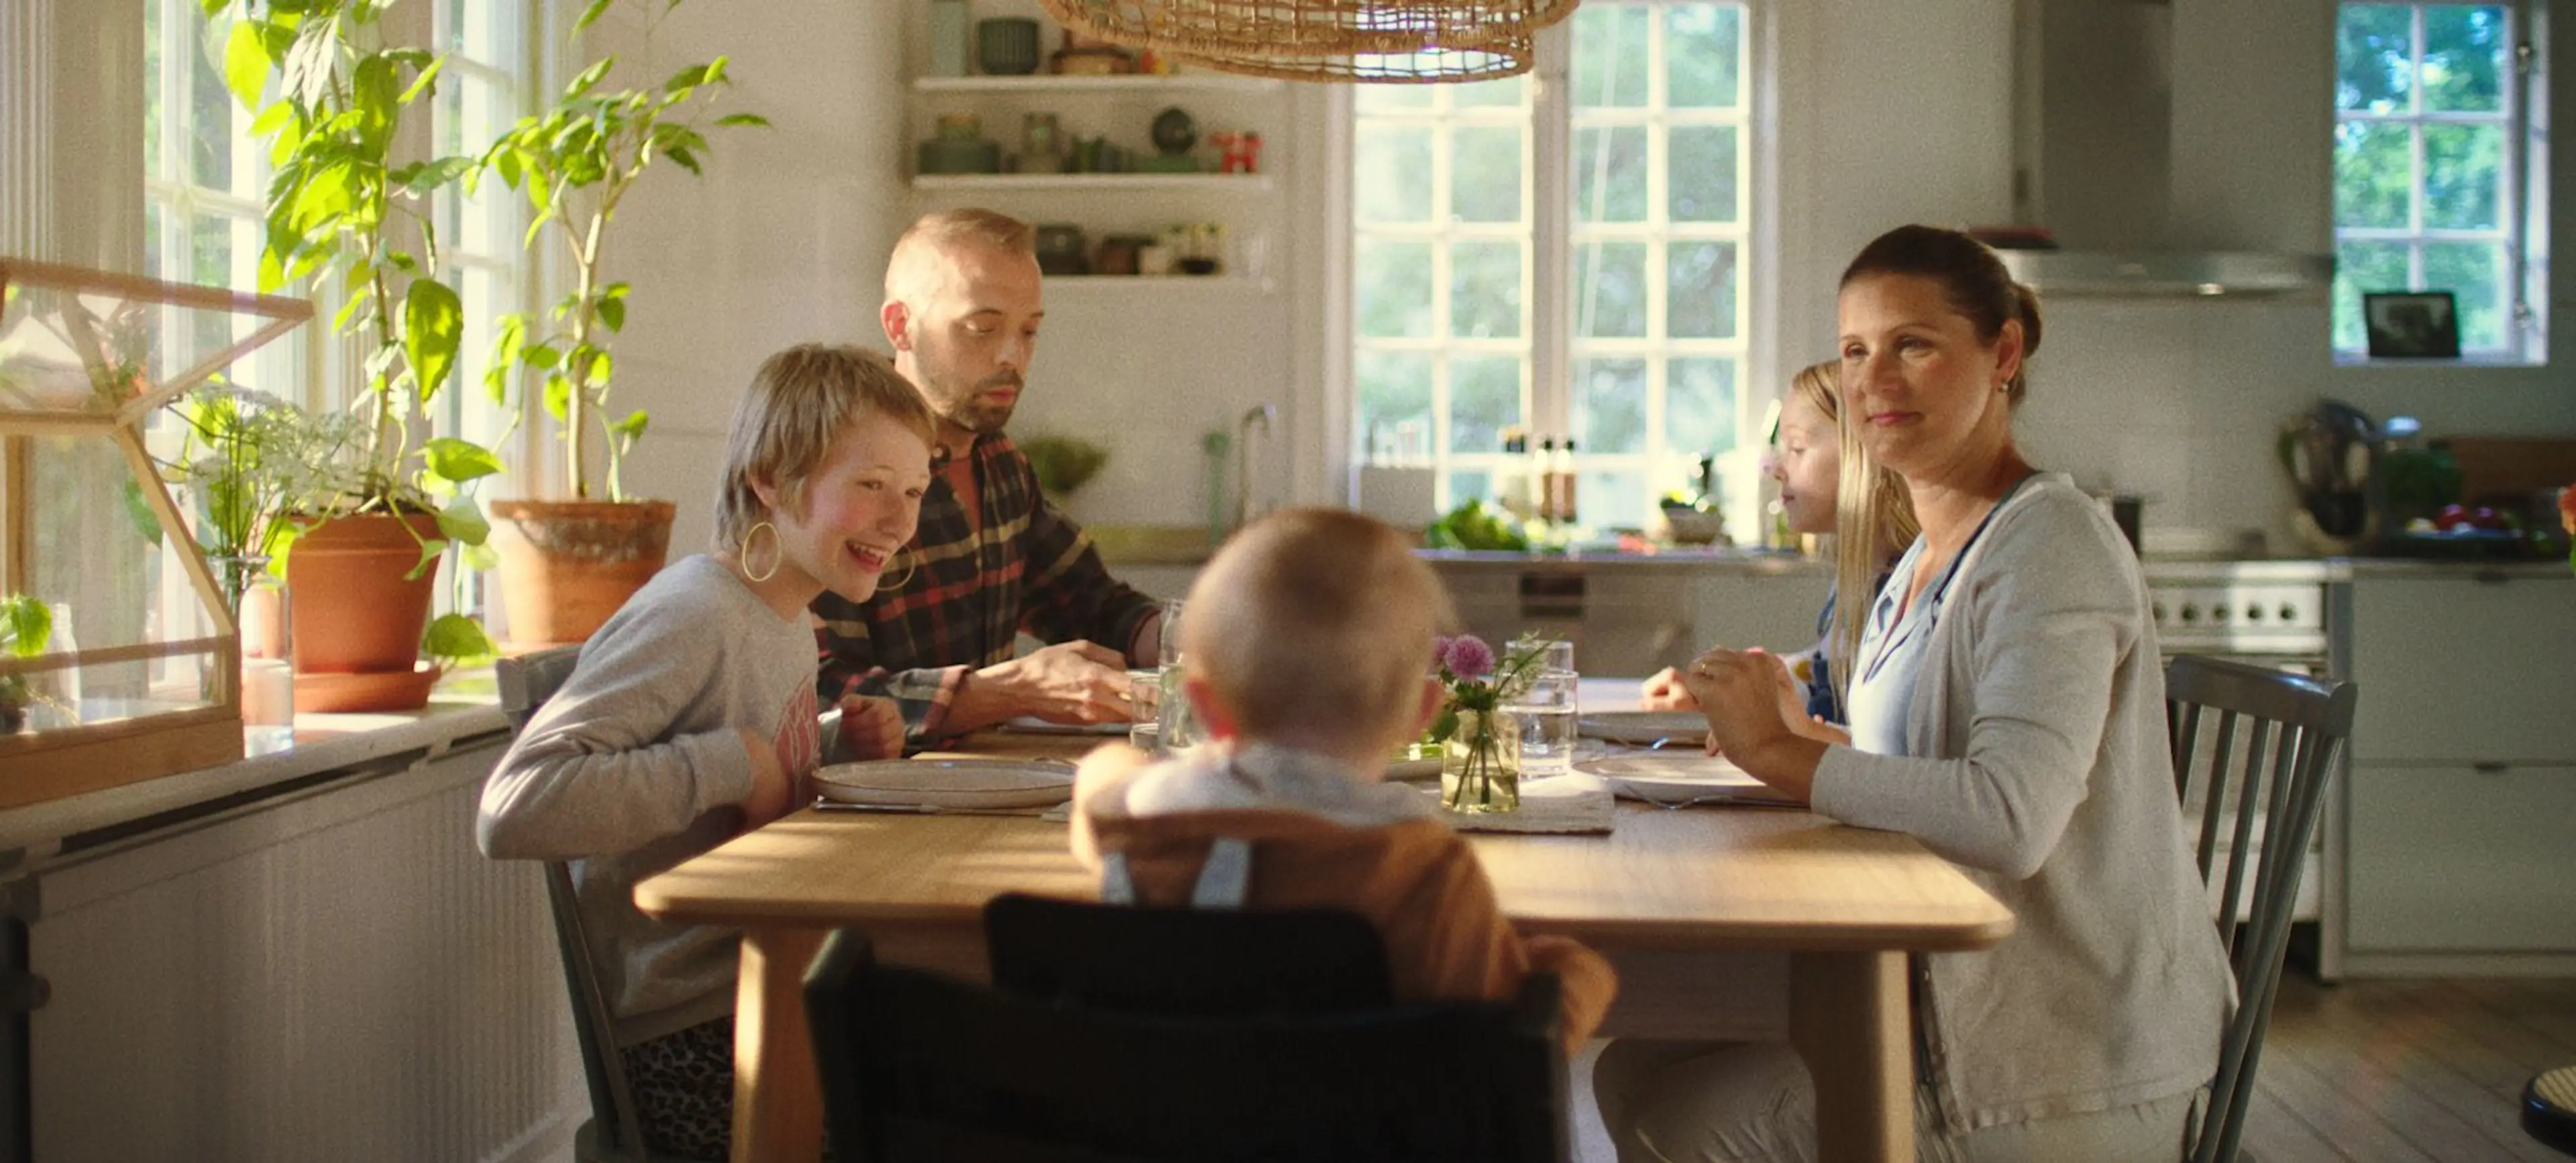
(742, 553)
(911, 566)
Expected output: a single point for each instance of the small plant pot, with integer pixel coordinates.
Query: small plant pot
(567, 565)
(355, 611)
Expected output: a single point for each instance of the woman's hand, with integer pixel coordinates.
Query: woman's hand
(871, 728)
(1754, 713)
(1665, 692)
(772, 792)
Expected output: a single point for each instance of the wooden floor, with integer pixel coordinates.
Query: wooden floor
(2407, 1071)
(2373, 1072)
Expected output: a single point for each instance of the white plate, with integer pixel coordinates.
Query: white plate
(1676, 778)
(948, 783)
(1643, 728)
(1029, 725)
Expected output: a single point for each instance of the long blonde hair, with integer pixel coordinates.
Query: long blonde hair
(1873, 521)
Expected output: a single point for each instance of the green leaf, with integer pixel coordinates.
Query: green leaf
(455, 640)
(433, 328)
(146, 521)
(375, 93)
(29, 625)
(459, 460)
(461, 521)
(542, 355)
(421, 179)
(613, 313)
(743, 119)
(509, 339)
(1444, 726)
(429, 551)
(602, 365)
(246, 64)
(558, 397)
(427, 81)
(589, 78)
(479, 558)
(691, 77)
(591, 15)
(630, 429)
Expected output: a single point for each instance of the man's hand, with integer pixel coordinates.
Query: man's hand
(1665, 692)
(871, 728)
(1069, 682)
(772, 793)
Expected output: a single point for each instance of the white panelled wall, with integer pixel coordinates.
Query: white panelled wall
(328, 976)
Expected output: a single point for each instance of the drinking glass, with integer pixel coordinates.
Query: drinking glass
(1171, 633)
(1557, 657)
(1544, 718)
(1144, 710)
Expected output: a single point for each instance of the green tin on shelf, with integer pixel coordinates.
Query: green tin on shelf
(950, 155)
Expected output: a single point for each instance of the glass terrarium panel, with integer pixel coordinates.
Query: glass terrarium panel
(115, 642)
(90, 344)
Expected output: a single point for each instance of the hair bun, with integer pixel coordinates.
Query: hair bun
(2026, 301)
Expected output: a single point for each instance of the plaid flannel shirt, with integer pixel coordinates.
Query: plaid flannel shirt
(1017, 566)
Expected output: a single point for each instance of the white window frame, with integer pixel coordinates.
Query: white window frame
(1548, 401)
(2523, 196)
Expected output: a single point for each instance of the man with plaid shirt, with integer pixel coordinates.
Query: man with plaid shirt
(992, 558)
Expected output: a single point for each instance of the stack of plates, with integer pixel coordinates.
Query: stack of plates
(948, 783)
(1645, 728)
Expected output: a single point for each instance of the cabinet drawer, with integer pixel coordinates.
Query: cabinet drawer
(2451, 859)
(2455, 670)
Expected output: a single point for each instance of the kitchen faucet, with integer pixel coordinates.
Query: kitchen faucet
(1261, 416)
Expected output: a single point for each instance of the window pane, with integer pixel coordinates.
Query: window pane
(1610, 289)
(2464, 58)
(1369, 99)
(2374, 173)
(1614, 498)
(1610, 405)
(1470, 486)
(1394, 391)
(1390, 170)
(1703, 55)
(210, 110)
(1699, 406)
(2474, 271)
(1610, 56)
(153, 167)
(2463, 176)
(1484, 398)
(1610, 174)
(152, 256)
(1701, 291)
(1485, 178)
(2373, 47)
(2362, 267)
(1392, 291)
(1506, 93)
(1485, 290)
(1703, 174)
(210, 248)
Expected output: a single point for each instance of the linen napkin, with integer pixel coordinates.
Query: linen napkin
(1572, 803)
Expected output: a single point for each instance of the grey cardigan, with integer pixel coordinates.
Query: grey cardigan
(2037, 762)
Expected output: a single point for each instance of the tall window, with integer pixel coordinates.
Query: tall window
(481, 93)
(2432, 123)
(1568, 256)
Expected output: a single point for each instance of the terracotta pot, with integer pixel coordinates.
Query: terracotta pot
(352, 610)
(567, 565)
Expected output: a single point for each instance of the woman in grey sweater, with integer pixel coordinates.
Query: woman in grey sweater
(691, 718)
(2007, 708)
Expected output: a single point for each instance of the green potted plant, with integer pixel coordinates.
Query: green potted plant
(569, 562)
(342, 210)
(26, 626)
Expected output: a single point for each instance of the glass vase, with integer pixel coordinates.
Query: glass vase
(1480, 769)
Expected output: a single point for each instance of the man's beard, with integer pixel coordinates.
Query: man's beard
(972, 412)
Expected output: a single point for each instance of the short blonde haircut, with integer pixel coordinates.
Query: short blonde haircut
(920, 256)
(1318, 621)
(800, 401)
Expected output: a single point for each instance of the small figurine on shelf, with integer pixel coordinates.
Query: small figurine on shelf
(1174, 133)
(1241, 152)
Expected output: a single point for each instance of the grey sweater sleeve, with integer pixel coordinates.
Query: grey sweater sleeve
(601, 769)
(2046, 619)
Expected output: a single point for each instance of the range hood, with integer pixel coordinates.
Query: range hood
(2094, 162)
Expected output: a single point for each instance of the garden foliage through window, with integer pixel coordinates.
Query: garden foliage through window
(1637, 350)
(2431, 128)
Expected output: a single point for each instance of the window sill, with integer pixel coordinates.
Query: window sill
(2346, 359)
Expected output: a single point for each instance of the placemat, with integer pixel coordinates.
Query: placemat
(1574, 803)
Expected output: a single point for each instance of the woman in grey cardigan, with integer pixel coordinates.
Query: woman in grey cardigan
(2007, 708)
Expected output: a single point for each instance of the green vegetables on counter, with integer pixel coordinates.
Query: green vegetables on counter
(1473, 526)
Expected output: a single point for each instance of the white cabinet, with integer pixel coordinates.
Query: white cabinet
(2460, 808)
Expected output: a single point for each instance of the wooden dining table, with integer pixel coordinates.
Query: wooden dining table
(1727, 923)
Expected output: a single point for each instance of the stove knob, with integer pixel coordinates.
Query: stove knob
(2218, 613)
(2157, 612)
(2289, 613)
(2190, 613)
(2254, 613)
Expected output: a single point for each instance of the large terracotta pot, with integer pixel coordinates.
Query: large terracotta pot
(351, 609)
(567, 565)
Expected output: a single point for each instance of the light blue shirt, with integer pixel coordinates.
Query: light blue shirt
(1889, 660)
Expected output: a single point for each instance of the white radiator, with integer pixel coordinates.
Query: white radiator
(338, 976)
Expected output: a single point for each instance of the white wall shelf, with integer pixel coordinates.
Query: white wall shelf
(1122, 83)
(1149, 284)
(1237, 183)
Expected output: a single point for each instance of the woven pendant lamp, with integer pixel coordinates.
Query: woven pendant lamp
(1376, 41)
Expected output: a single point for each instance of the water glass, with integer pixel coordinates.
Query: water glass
(1544, 717)
(1557, 657)
(1171, 633)
(1145, 710)
(1179, 728)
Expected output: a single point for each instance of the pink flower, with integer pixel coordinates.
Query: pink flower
(1468, 657)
